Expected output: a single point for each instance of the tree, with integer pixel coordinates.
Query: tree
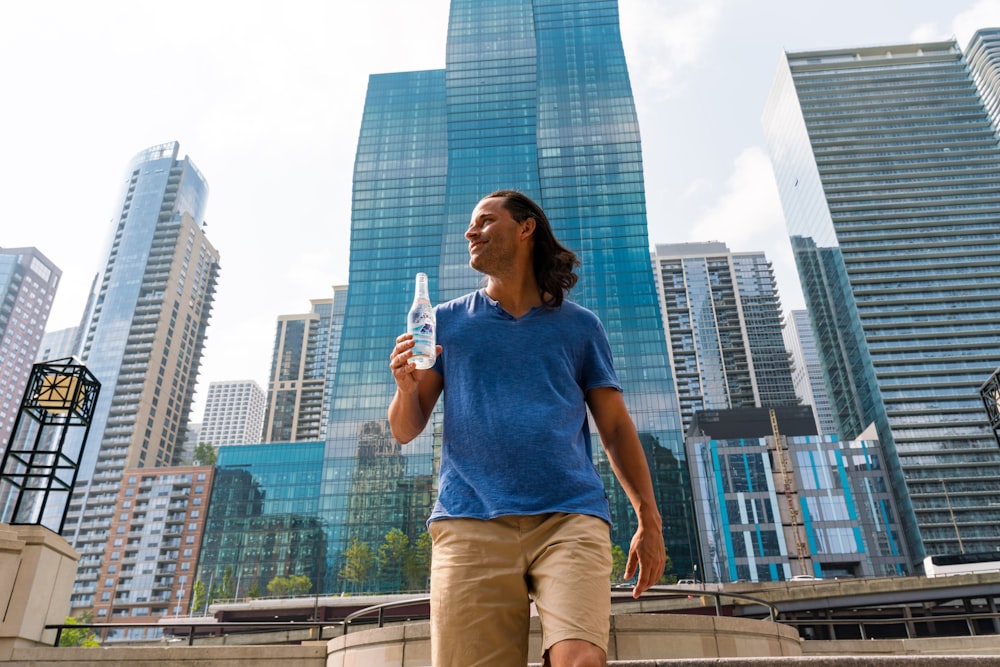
(417, 570)
(254, 591)
(293, 584)
(617, 564)
(224, 590)
(668, 576)
(392, 557)
(198, 596)
(205, 454)
(78, 636)
(358, 564)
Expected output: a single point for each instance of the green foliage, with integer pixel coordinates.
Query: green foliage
(618, 562)
(392, 557)
(400, 564)
(669, 577)
(417, 569)
(226, 589)
(198, 597)
(254, 591)
(359, 562)
(205, 454)
(293, 584)
(79, 636)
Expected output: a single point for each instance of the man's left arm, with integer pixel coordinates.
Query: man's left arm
(621, 442)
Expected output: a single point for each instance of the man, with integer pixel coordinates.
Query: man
(521, 512)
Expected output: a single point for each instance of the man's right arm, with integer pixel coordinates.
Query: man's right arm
(417, 392)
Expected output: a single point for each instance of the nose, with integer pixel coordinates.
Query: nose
(472, 232)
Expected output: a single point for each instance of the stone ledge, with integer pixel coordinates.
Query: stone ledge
(821, 661)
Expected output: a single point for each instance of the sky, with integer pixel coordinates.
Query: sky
(266, 99)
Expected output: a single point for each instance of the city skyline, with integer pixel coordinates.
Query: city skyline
(260, 91)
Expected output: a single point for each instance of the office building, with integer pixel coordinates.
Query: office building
(234, 413)
(143, 341)
(303, 366)
(807, 372)
(264, 519)
(722, 319)
(776, 502)
(887, 165)
(534, 96)
(58, 344)
(152, 548)
(28, 283)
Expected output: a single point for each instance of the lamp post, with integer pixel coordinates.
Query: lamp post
(990, 393)
(40, 464)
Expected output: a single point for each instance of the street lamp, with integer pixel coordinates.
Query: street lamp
(990, 393)
(41, 462)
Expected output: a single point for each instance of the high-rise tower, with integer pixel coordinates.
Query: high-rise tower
(722, 318)
(303, 366)
(143, 341)
(234, 413)
(888, 166)
(28, 283)
(807, 372)
(535, 96)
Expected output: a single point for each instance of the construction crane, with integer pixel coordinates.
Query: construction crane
(785, 467)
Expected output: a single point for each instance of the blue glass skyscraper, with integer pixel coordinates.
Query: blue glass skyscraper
(535, 96)
(888, 165)
(143, 341)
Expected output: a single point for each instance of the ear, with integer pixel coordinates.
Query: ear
(527, 227)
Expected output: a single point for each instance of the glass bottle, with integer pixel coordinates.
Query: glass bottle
(421, 323)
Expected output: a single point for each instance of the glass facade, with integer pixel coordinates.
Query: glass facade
(815, 506)
(143, 340)
(28, 283)
(535, 96)
(264, 519)
(887, 163)
(722, 318)
(303, 368)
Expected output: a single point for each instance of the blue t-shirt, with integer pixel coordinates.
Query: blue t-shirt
(516, 437)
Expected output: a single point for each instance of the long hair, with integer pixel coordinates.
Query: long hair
(552, 262)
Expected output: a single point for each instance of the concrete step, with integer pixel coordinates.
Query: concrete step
(822, 661)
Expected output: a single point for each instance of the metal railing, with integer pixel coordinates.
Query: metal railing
(209, 626)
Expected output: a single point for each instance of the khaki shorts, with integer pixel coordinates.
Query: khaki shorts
(485, 573)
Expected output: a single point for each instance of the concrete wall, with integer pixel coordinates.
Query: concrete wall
(307, 655)
(633, 637)
(37, 568)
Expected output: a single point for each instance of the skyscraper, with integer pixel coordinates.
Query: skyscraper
(303, 366)
(807, 373)
(722, 318)
(234, 413)
(28, 282)
(143, 341)
(888, 165)
(535, 96)
(58, 344)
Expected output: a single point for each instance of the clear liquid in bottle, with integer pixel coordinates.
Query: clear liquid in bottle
(422, 324)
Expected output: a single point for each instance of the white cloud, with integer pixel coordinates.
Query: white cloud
(983, 14)
(748, 217)
(748, 212)
(660, 43)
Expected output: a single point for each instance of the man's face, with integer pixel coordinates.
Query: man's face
(494, 237)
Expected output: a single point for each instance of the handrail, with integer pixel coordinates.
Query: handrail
(968, 618)
(717, 595)
(191, 627)
(380, 608)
